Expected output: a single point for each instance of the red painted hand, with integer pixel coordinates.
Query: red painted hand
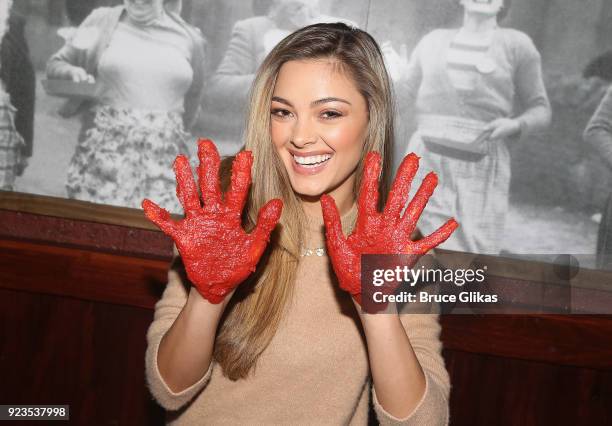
(380, 233)
(218, 254)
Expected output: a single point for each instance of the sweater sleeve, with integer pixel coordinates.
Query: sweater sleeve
(424, 333)
(232, 80)
(166, 311)
(71, 56)
(529, 84)
(598, 132)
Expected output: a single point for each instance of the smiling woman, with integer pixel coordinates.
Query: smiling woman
(319, 130)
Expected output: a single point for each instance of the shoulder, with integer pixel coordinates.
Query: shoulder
(519, 46)
(437, 36)
(517, 39)
(253, 24)
(189, 31)
(101, 15)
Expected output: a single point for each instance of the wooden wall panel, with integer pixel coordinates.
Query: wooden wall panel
(488, 390)
(73, 327)
(59, 350)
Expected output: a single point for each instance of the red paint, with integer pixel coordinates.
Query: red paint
(381, 233)
(218, 254)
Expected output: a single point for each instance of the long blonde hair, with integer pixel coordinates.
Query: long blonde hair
(255, 311)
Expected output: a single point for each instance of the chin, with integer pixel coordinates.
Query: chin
(484, 10)
(310, 189)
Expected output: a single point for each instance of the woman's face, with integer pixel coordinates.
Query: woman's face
(483, 7)
(143, 10)
(319, 121)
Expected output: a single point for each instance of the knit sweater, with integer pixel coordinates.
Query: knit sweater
(315, 369)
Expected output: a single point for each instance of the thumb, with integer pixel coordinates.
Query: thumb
(333, 225)
(267, 219)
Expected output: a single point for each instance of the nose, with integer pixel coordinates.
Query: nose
(303, 134)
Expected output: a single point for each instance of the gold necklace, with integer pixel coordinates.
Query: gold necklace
(315, 251)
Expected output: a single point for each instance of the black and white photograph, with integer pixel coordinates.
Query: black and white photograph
(510, 112)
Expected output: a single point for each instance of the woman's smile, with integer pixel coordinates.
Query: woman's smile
(310, 163)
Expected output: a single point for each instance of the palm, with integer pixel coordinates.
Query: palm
(381, 233)
(218, 254)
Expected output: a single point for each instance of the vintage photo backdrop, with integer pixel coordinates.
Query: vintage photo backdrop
(559, 185)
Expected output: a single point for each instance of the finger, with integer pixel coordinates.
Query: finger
(240, 181)
(267, 218)
(208, 174)
(417, 204)
(186, 189)
(491, 126)
(495, 133)
(435, 238)
(333, 226)
(368, 193)
(398, 196)
(159, 217)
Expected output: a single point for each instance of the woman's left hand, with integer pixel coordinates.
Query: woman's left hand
(380, 233)
(503, 128)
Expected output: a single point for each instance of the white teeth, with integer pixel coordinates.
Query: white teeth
(313, 159)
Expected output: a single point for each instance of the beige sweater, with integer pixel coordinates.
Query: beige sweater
(315, 370)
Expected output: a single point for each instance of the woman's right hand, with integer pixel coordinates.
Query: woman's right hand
(78, 75)
(218, 254)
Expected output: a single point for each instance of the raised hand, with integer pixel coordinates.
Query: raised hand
(218, 254)
(380, 233)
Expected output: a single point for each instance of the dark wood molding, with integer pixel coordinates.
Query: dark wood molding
(82, 274)
(74, 209)
(94, 236)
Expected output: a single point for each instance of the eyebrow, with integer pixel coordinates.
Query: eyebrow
(313, 103)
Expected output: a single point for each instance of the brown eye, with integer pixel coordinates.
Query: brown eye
(329, 115)
(280, 113)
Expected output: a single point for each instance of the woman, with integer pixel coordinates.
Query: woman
(475, 89)
(143, 105)
(285, 344)
(598, 134)
(17, 86)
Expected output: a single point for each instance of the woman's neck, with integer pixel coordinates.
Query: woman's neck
(478, 22)
(313, 210)
(154, 15)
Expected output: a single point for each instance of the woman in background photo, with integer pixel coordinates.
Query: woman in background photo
(598, 134)
(17, 96)
(286, 340)
(475, 89)
(148, 65)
